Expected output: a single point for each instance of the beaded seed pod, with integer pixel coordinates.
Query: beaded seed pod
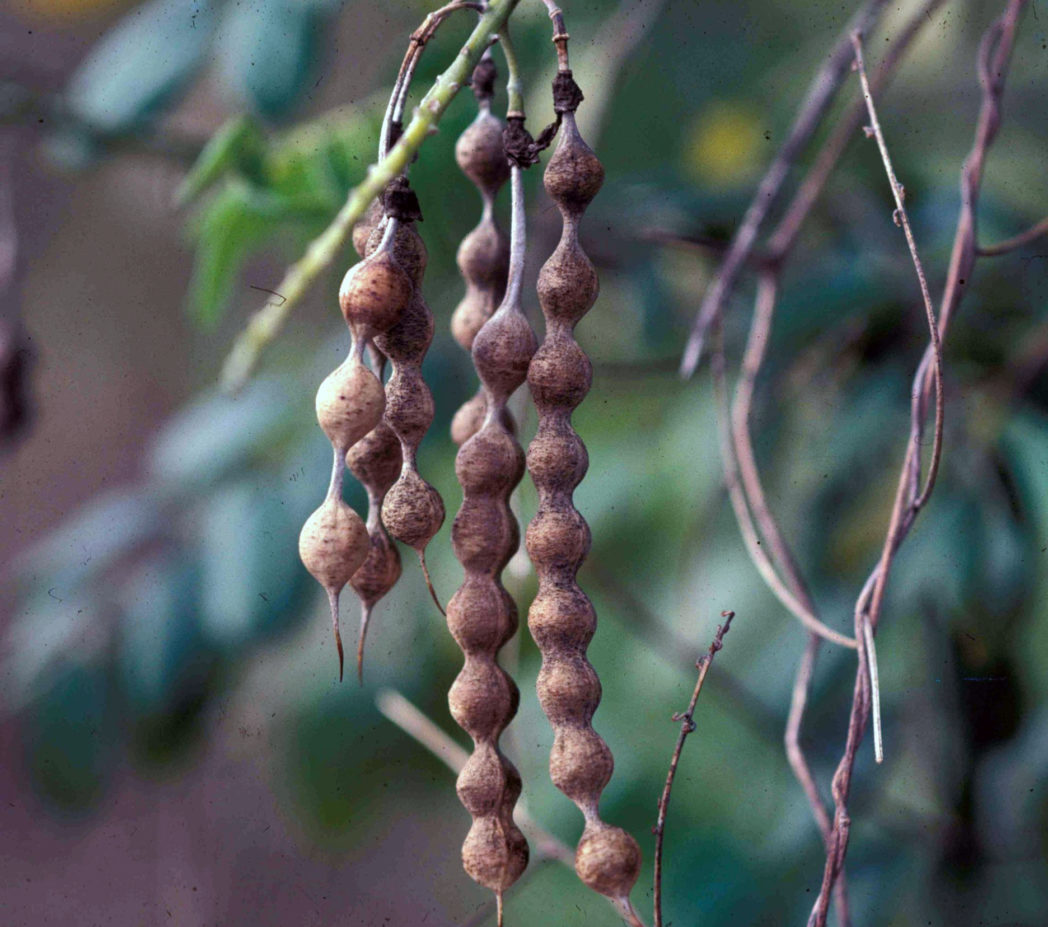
(481, 615)
(561, 619)
(483, 256)
(412, 510)
(334, 542)
(375, 461)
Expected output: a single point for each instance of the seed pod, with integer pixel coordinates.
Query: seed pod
(365, 225)
(483, 256)
(350, 405)
(482, 616)
(375, 461)
(412, 510)
(374, 294)
(333, 544)
(561, 618)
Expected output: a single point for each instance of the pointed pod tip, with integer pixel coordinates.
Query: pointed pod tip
(341, 655)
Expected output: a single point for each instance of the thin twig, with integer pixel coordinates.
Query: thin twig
(994, 56)
(782, 239)
(1014, 243)
(267, 322)
(419, 727)
(809, 117)
(687, 726)
(901, 217)
(741, 506)
(416, 44)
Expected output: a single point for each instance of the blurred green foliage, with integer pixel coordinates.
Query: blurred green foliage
(158, 598)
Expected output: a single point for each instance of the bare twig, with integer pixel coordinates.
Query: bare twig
(994, 57)
(419, 727)
(812, 110)
(740, 501)
(687, 726)
(1014, 243)
(901, 218)
(782, 239)
(392, 122)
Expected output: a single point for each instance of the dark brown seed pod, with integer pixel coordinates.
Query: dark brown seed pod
(375, 461)
(412, 510)
(561, 618)
(482, 616)
(483, 256)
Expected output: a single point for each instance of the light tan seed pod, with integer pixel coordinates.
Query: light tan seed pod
(412, 510)
(349, 401)
(375, 461)
(333, 545)
(481, 615)
(483, 256)
(561, 619)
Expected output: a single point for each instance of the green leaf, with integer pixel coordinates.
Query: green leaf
(226, 231)
(251, 577)
(141, 64)
(218, 434)
(236, 146)
(269, 50)
(66, 736)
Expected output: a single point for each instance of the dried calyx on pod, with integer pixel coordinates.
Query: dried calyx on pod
(375, 461)
(482, 616)
(335, 543)
(412, 510)
(483, 256)
(561, 619)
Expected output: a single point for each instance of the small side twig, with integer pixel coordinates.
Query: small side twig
(687, 726)
(1015, 242)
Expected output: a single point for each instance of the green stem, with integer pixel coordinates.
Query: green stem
(514, 84)
(265, 324)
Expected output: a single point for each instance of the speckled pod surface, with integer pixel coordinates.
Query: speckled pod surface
(561, 619)
(412, 510)
(481, 615)
(483, 256)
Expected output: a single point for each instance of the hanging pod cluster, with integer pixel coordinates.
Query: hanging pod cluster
(376, 431)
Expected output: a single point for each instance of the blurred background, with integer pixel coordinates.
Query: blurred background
(176, 746)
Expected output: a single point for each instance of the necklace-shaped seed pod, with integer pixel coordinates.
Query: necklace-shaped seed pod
(482, 616)
(412, 510)
(375, 461)
(334, 542)
(561, 619)
(483, 256)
